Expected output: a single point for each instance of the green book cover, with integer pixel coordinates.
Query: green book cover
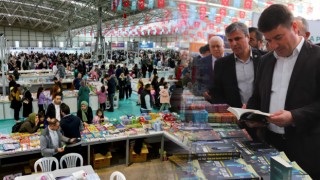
(280, 169)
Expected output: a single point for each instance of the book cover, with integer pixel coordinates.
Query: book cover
(280, 169)
(249, 114)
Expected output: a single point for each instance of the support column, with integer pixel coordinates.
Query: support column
(99, 47)
(69, 38)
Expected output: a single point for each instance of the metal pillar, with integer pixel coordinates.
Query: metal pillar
(99, 47)
(2, 57)
(69, 38)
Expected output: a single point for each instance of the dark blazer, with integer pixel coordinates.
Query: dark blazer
(204, 74)
(89, 115)
(226, 90)
(302, 100)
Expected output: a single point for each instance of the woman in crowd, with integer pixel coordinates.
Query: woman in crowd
(83, 93)
(85, 113)
(99, 118)
(122, 85)
(155, 85)
(27, 104)
(102, 97)
(140, 87)
(161, 82)
(31, 124)
(41, 99)
(15, 99)
(128, 88)
(135, 70)
(164, 97)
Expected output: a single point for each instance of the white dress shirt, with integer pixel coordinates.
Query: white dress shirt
(57, 107)
(213, 61)
(54, 138)
(245, 77)
(280, 83)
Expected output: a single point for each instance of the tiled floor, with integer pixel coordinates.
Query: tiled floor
(126, 106)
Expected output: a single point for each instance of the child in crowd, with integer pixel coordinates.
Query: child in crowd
(99, 118)
(41, 99)
(164, 97)
(140, 89)
(102, 97)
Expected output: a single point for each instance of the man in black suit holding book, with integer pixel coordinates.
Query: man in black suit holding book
(288, 86)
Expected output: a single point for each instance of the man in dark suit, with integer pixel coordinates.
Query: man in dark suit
(288, 86)
(234, 74)
(206, 65)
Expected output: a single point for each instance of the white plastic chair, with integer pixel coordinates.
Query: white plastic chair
(71, 160)
(118, 175)
(45, 164)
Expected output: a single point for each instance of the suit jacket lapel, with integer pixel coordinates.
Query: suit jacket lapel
(268, 71)
(300, 63)
(233, 73)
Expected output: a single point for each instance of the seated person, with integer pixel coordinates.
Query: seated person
(85, 113)
(31, 124)
(99, 118)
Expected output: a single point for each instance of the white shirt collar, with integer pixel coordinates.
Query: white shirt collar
(295, 50)
(238, 59)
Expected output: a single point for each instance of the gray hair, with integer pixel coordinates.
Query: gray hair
(237, 26)
(216, 38)
(304, 22)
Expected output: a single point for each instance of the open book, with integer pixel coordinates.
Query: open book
(249, 114)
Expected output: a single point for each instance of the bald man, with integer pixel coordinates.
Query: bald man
(206, 66)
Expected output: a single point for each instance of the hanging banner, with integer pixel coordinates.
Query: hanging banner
(236, 3)
(140, 4)
(225, 2)
(161, 3)
(117, 45)
(182, 7)
(291, 7)
(218, 19)
(126, 3)
(248, 4)
(151, 4)
(202, 9)
(261, 4)
(119, 7)
(91, 32)
(223, 11)
(134, 5)
(242, 14)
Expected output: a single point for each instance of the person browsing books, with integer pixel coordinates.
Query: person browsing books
(287, 86)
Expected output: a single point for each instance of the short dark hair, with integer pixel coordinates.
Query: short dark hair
(237, 26)
(147, 86)
(273, 16)
(205, 48)
(55, 78)
(65, 108)
(56, 94)
(53, 122)
(259, 35)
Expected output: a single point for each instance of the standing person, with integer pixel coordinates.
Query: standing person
(135, 70)
(111, 91)
(146, 99)
(102, 97)
(303, 27)
(41, 99)
(53, 110)
(71, 126)
(83, 93)
(125, 69)
(12, 82)
(144, 70)
(122, 85)
(52, 140)
(119, 71)
(57, 83)
(128, 88)
(164, 97)
(27, 104)
(155, 85)
(77, 81)
(256, 38)
(85, 113)
(16, 74)
(205, 67)
(288, 85)
(234, 75)
(150, 69)
(15, 99)
(140, 87)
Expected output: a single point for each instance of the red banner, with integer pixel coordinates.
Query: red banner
(223, 11)
(211, 26)
(184, 15)
(248, 4)
(140, 4)
(196, 24)
(269, 3)
(291, 7)
(182, 7)
(203, 9)
(234, 20)
(225, 2)
(242, 14)
(310, 10)
(161, 3)
(218, 19)
(126, 3)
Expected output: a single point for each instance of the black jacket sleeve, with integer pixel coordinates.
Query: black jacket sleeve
(51, 111)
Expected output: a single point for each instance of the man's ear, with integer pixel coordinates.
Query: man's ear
(308, 35)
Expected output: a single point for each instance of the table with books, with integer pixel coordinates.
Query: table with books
(212, 148)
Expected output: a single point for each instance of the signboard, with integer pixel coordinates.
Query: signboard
(117, 45)
(146, 45)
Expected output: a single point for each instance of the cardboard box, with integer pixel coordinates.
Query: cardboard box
(101, 161)
(134, 158)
